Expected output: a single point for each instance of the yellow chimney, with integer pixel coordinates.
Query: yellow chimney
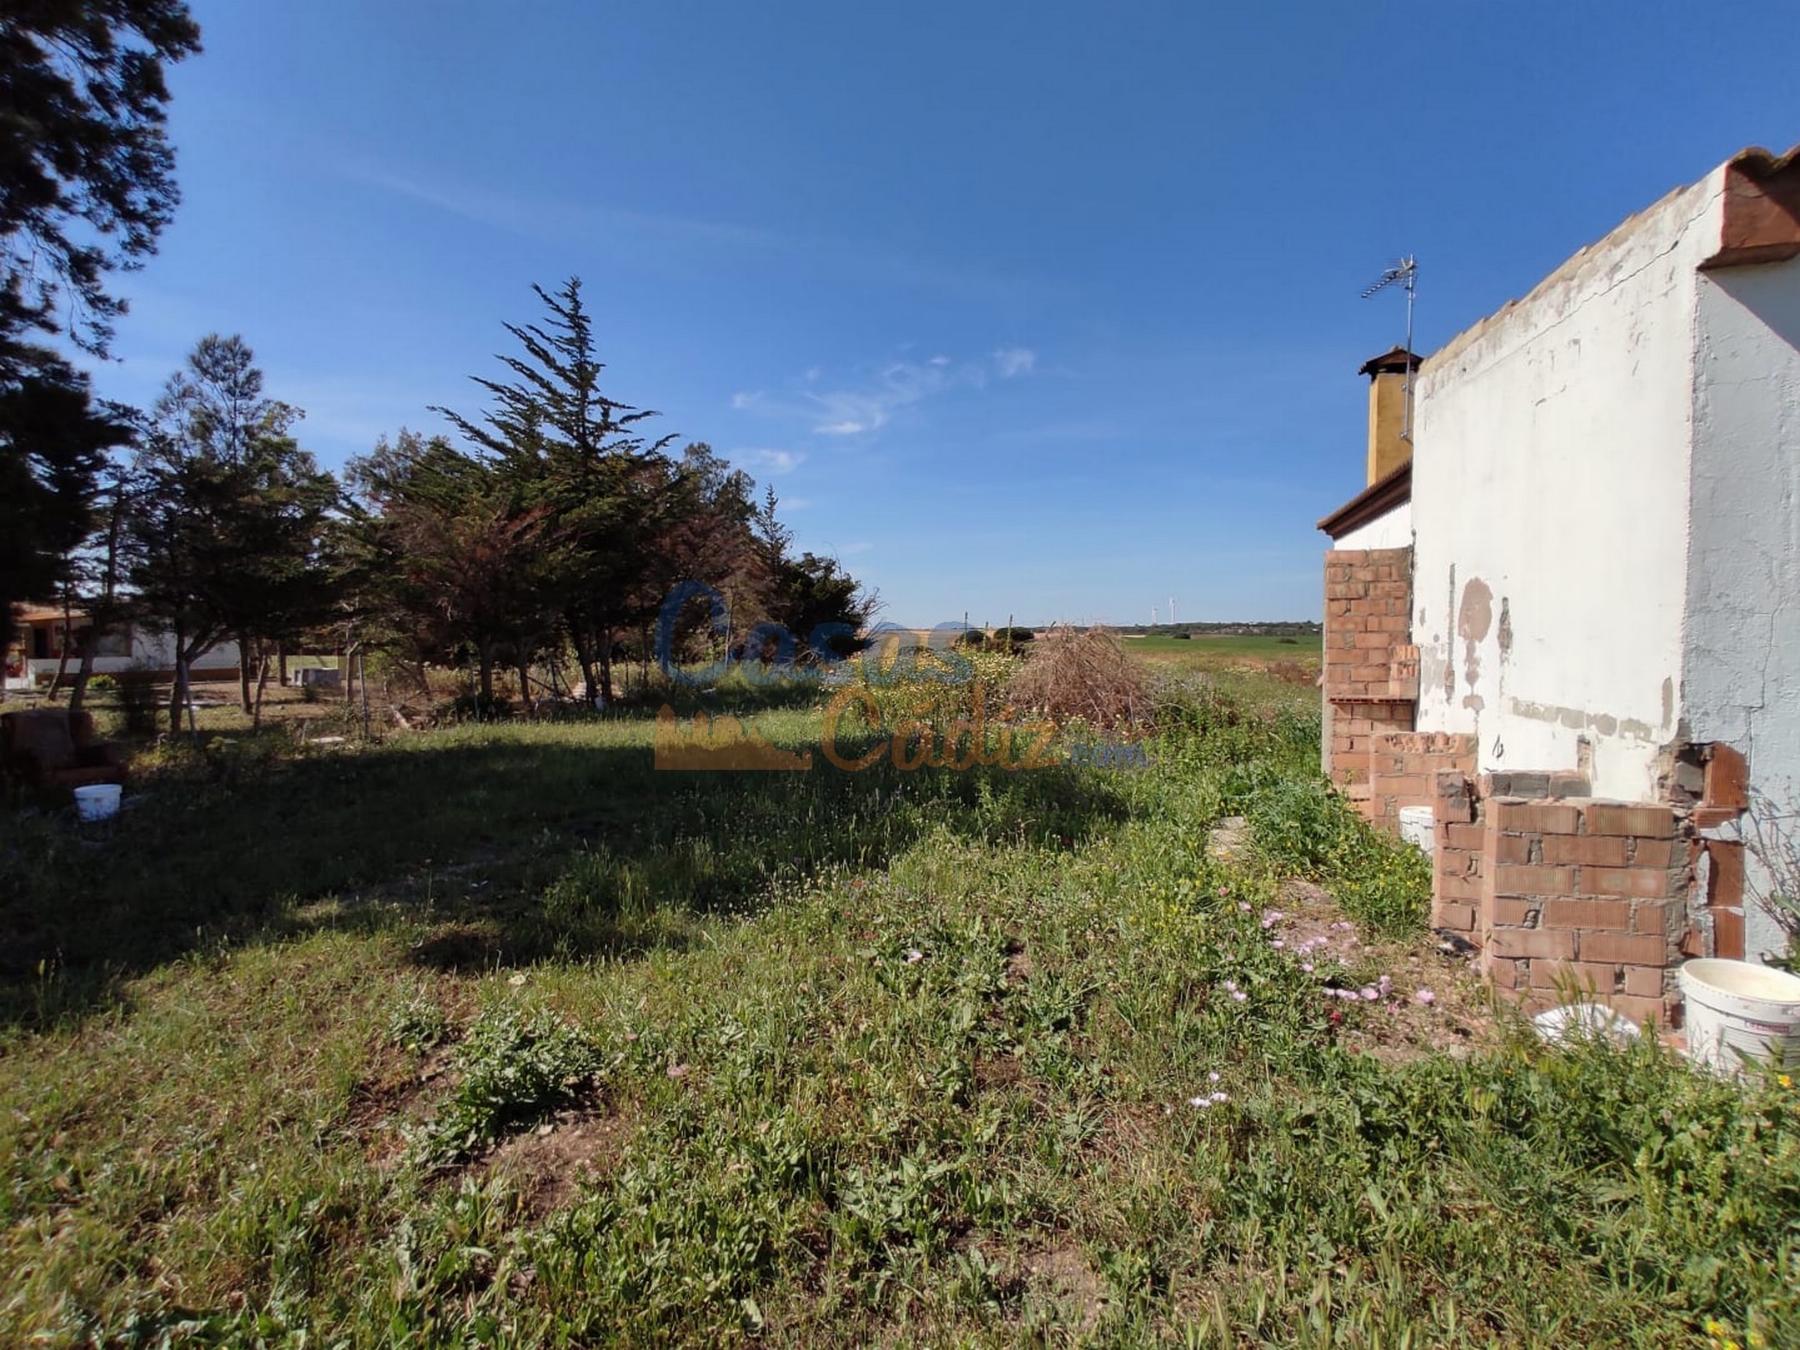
(1390, 442)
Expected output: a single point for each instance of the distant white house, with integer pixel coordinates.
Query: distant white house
(44, 634)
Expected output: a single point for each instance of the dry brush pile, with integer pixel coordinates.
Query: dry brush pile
(1083, 675)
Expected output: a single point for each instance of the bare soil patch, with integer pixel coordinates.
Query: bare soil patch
(1434, 1002)
(547, 1165)
(1062, 1277)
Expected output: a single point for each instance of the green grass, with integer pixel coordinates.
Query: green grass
(495, 1035)
(1218, 649)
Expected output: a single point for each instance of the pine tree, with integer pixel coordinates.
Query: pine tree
(460, 559)
(54, 442)
(87, 175)
(228, 530)
(576, 454)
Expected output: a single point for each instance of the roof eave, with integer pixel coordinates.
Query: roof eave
(1373, 502)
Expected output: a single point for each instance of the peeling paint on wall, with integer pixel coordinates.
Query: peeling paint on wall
(1449, 650)
(1505, 635)
(1668, 701)
(1472, 623)
(1579, 719)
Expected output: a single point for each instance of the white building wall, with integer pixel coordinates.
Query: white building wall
(1741, 678)
(1550, 508)
(1394, 530)
(151, 649)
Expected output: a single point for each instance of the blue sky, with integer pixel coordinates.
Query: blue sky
(1033, 309)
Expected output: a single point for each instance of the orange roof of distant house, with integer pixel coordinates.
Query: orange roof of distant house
(42, 613)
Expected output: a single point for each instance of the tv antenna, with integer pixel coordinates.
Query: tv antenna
(1404, 273)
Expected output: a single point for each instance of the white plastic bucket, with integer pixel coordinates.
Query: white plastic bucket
(1737, 1007)
(1416, 824)
(98, 801)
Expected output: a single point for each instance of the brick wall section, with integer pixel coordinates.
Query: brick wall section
(1585, 890)
(1354, 730)
(1368, 606)
(1404, 767)
(1370, 671)
(1456, 819)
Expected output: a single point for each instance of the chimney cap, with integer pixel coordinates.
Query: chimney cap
(1393, 361)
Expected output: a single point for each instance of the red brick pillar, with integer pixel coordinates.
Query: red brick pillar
(1370, 672)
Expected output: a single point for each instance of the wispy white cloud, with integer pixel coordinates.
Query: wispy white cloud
(867, 405)
(546, 218)
(771, 461)
(1011, 361)
(562, 220)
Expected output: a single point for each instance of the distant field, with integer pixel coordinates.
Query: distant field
(1256, 666)
(1223, 649)
(1207, 649)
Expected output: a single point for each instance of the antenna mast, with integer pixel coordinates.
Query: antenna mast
(1406, 273)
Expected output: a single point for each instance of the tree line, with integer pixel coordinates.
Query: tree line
(552, 527)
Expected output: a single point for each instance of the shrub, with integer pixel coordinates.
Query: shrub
(472, 708)
(514, 1070)
(938, 686)
(973, 637)
(138, 701)
(1306, 827)
(1083, 675)
(418, 1024)
(1292, 672)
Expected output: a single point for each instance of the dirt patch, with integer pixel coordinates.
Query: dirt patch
(394, 1097)
(1062, 1278)
(1458, 1020)
(1432, 1002)
(1019, 966)
(547, 1165)
(997, 1071)
(460, 947)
